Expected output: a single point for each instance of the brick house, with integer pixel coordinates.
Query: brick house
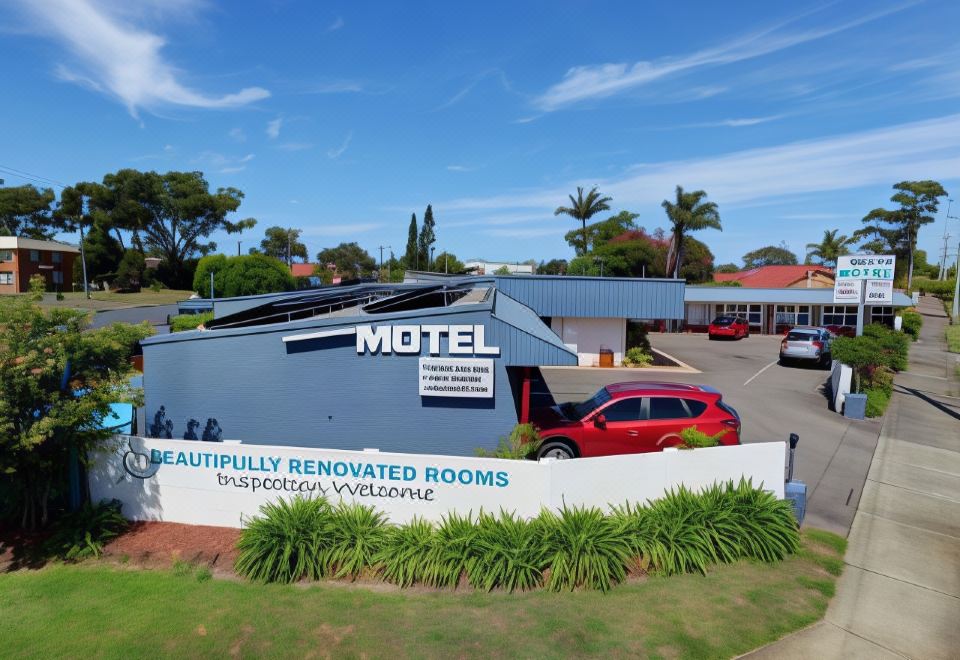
(21, 258)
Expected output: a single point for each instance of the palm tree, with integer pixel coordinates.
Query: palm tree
(688, 213)
(830, 248)
(583, 208)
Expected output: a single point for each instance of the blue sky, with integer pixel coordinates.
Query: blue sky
(343, 118)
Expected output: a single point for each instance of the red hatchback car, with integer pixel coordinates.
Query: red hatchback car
(734, 327)
(632, 418)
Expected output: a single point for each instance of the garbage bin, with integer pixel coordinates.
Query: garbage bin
(855, 406)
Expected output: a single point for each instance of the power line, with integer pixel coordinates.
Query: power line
(30, 176)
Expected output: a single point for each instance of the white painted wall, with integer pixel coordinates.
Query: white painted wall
(589, 334)
(207, 494)
(840, 378)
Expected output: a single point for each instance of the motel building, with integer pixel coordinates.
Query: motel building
(438, 365)
(22, 258)
(774, 299)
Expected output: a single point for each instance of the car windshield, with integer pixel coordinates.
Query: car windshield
(723, 320)
(801, 336)
(584, 408)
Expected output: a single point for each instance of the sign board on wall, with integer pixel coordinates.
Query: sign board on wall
(847, 291)
(224, 484)
(866, 267)
(456, 377)
(878, 292)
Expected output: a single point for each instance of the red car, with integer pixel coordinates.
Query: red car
(734, 327)
(631, 418)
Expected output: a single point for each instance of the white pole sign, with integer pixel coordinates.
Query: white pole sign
(879, 292)
(847, 291)
(866, 267)
(456, 377)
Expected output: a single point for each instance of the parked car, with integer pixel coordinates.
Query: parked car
(810, 345)
(735, 327)
(631, 418)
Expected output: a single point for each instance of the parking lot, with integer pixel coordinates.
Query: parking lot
(773, 401)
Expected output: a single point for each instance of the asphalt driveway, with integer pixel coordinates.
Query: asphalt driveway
(773, 401)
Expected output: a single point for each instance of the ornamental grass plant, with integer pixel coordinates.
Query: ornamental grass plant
(573, 548)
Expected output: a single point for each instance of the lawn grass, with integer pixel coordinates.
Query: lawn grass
(105, 610)
(953, 338)
(103, 300)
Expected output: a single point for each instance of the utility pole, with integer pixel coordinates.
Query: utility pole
(289, 260)
(430, 265)
(382, 248)
(238, 247)
(955, 312)
(946, 237)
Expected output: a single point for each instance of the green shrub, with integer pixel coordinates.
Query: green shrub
(452, 553)
(952, 334)
(243, 275)
(576, 547)
(523, 442)
(912, 322)
(637, 357)
(508, 553)
(184, 322)
(285, 543)
(585, 548)
(879, 346)
(404, 553)
(878, 398)
(156, 287)
(941, 288)
(356, 536)
(693, 438)
(894, 347)
(83, 533)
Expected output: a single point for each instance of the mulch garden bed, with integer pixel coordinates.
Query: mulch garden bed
(160, 544)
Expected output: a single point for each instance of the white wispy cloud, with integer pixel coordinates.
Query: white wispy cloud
(295, 146)
(222, 163)
(111, 54)
(237, 135)
(460, 168)
(334, 154)
(916, 150)
(532, 232)
(336, 25)
(592, 82)
(273, 128)
(734, 123)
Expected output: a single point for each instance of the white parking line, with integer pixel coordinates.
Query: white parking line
(759, 372)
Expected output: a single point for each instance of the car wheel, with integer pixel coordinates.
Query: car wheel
(710, 337)
(558, 450)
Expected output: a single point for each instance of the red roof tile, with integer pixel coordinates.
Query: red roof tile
(302, 270)
(772, 277)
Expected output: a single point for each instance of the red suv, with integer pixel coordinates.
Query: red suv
(631, 418)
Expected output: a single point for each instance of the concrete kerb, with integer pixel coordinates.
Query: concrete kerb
(684, 368)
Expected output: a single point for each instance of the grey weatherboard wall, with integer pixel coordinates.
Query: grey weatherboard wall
(597, 297)
(321, 393)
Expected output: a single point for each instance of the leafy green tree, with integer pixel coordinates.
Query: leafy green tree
(771, 255)
(553, 267)
(918, 201)
(688, 212)
(727, 268)
(427, 238)
(411, 257)
(600, 233)
(503, 270)
(103, 254)
(283, 244)
(697, 265)
(446, 262)
(170, 215)
(583, 208)
(130, 271)
(351, 260)
(246, 275)
(57, 381)
(26, 211)
(830, 248)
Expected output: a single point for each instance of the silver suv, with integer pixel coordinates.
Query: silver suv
(807, 345)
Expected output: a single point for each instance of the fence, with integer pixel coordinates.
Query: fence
(223, 484)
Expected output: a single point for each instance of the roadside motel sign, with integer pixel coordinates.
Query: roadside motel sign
(866, 267)
(847, 291)
(879, 292)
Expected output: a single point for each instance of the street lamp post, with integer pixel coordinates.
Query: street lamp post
(430, 265)
(382, 248)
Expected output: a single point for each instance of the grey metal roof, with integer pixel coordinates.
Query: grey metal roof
(788, 296)
(596, 297)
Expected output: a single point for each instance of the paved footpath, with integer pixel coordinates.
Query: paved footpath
(900, 591)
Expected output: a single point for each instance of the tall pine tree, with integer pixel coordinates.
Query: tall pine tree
(427, 237)
(410, 256)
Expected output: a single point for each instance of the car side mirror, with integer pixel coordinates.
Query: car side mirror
(600, 421)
